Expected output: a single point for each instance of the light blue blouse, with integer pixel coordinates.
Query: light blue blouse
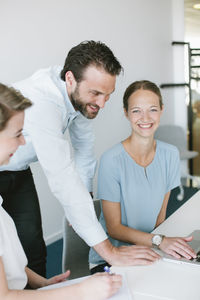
(139, 190)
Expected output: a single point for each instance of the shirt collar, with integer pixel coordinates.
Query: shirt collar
(70, 107)
(63, 89)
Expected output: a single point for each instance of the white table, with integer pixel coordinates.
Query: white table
(165, 280)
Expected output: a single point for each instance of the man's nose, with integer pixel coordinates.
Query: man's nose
(102, 100)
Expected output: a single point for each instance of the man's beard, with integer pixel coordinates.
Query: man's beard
(79, 105)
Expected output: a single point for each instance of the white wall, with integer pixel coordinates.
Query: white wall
(180, 64)
(39, 33)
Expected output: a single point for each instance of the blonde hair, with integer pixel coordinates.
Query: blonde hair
(11, 102)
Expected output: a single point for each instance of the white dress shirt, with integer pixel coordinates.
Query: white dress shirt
(44, 127)
(11, 252)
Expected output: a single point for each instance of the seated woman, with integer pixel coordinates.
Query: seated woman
(14, 275)
(135, 179)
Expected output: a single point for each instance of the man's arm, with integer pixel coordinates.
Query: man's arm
(43, 123)
(126, 255)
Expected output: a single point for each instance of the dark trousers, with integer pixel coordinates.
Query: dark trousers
(20, 200)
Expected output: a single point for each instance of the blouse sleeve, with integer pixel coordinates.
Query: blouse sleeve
(1, 240)
(108, 179)
(173, 178)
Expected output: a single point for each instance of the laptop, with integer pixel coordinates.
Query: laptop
(195, 245)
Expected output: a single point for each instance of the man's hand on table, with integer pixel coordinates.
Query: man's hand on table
(133, 255)
(126, 255)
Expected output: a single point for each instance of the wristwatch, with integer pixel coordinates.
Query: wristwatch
(157, 240)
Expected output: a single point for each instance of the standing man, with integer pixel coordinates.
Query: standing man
(64, 98)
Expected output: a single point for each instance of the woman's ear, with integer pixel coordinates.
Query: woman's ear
(126, 113)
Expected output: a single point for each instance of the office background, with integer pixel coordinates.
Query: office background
(37, 34)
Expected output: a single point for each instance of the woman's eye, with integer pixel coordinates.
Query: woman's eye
(135, 111)
(154, 110)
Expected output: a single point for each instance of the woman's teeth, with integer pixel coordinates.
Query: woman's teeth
(145, 125)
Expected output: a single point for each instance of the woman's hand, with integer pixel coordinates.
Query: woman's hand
(100, 286)
(57, 278)
(178, 247)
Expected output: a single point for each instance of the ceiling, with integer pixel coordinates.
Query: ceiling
(192, 16)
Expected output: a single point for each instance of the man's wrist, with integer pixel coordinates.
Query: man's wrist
(106, 250)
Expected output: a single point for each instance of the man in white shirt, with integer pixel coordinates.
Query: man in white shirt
(63, 98)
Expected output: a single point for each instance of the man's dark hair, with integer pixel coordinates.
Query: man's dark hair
(90, 53)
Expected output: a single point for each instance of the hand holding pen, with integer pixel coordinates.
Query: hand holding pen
(100, 286)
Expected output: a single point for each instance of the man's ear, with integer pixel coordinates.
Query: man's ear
(69, 79)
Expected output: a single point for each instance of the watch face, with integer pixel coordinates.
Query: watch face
(157, 240)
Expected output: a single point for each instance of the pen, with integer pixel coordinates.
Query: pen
(107, 270)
